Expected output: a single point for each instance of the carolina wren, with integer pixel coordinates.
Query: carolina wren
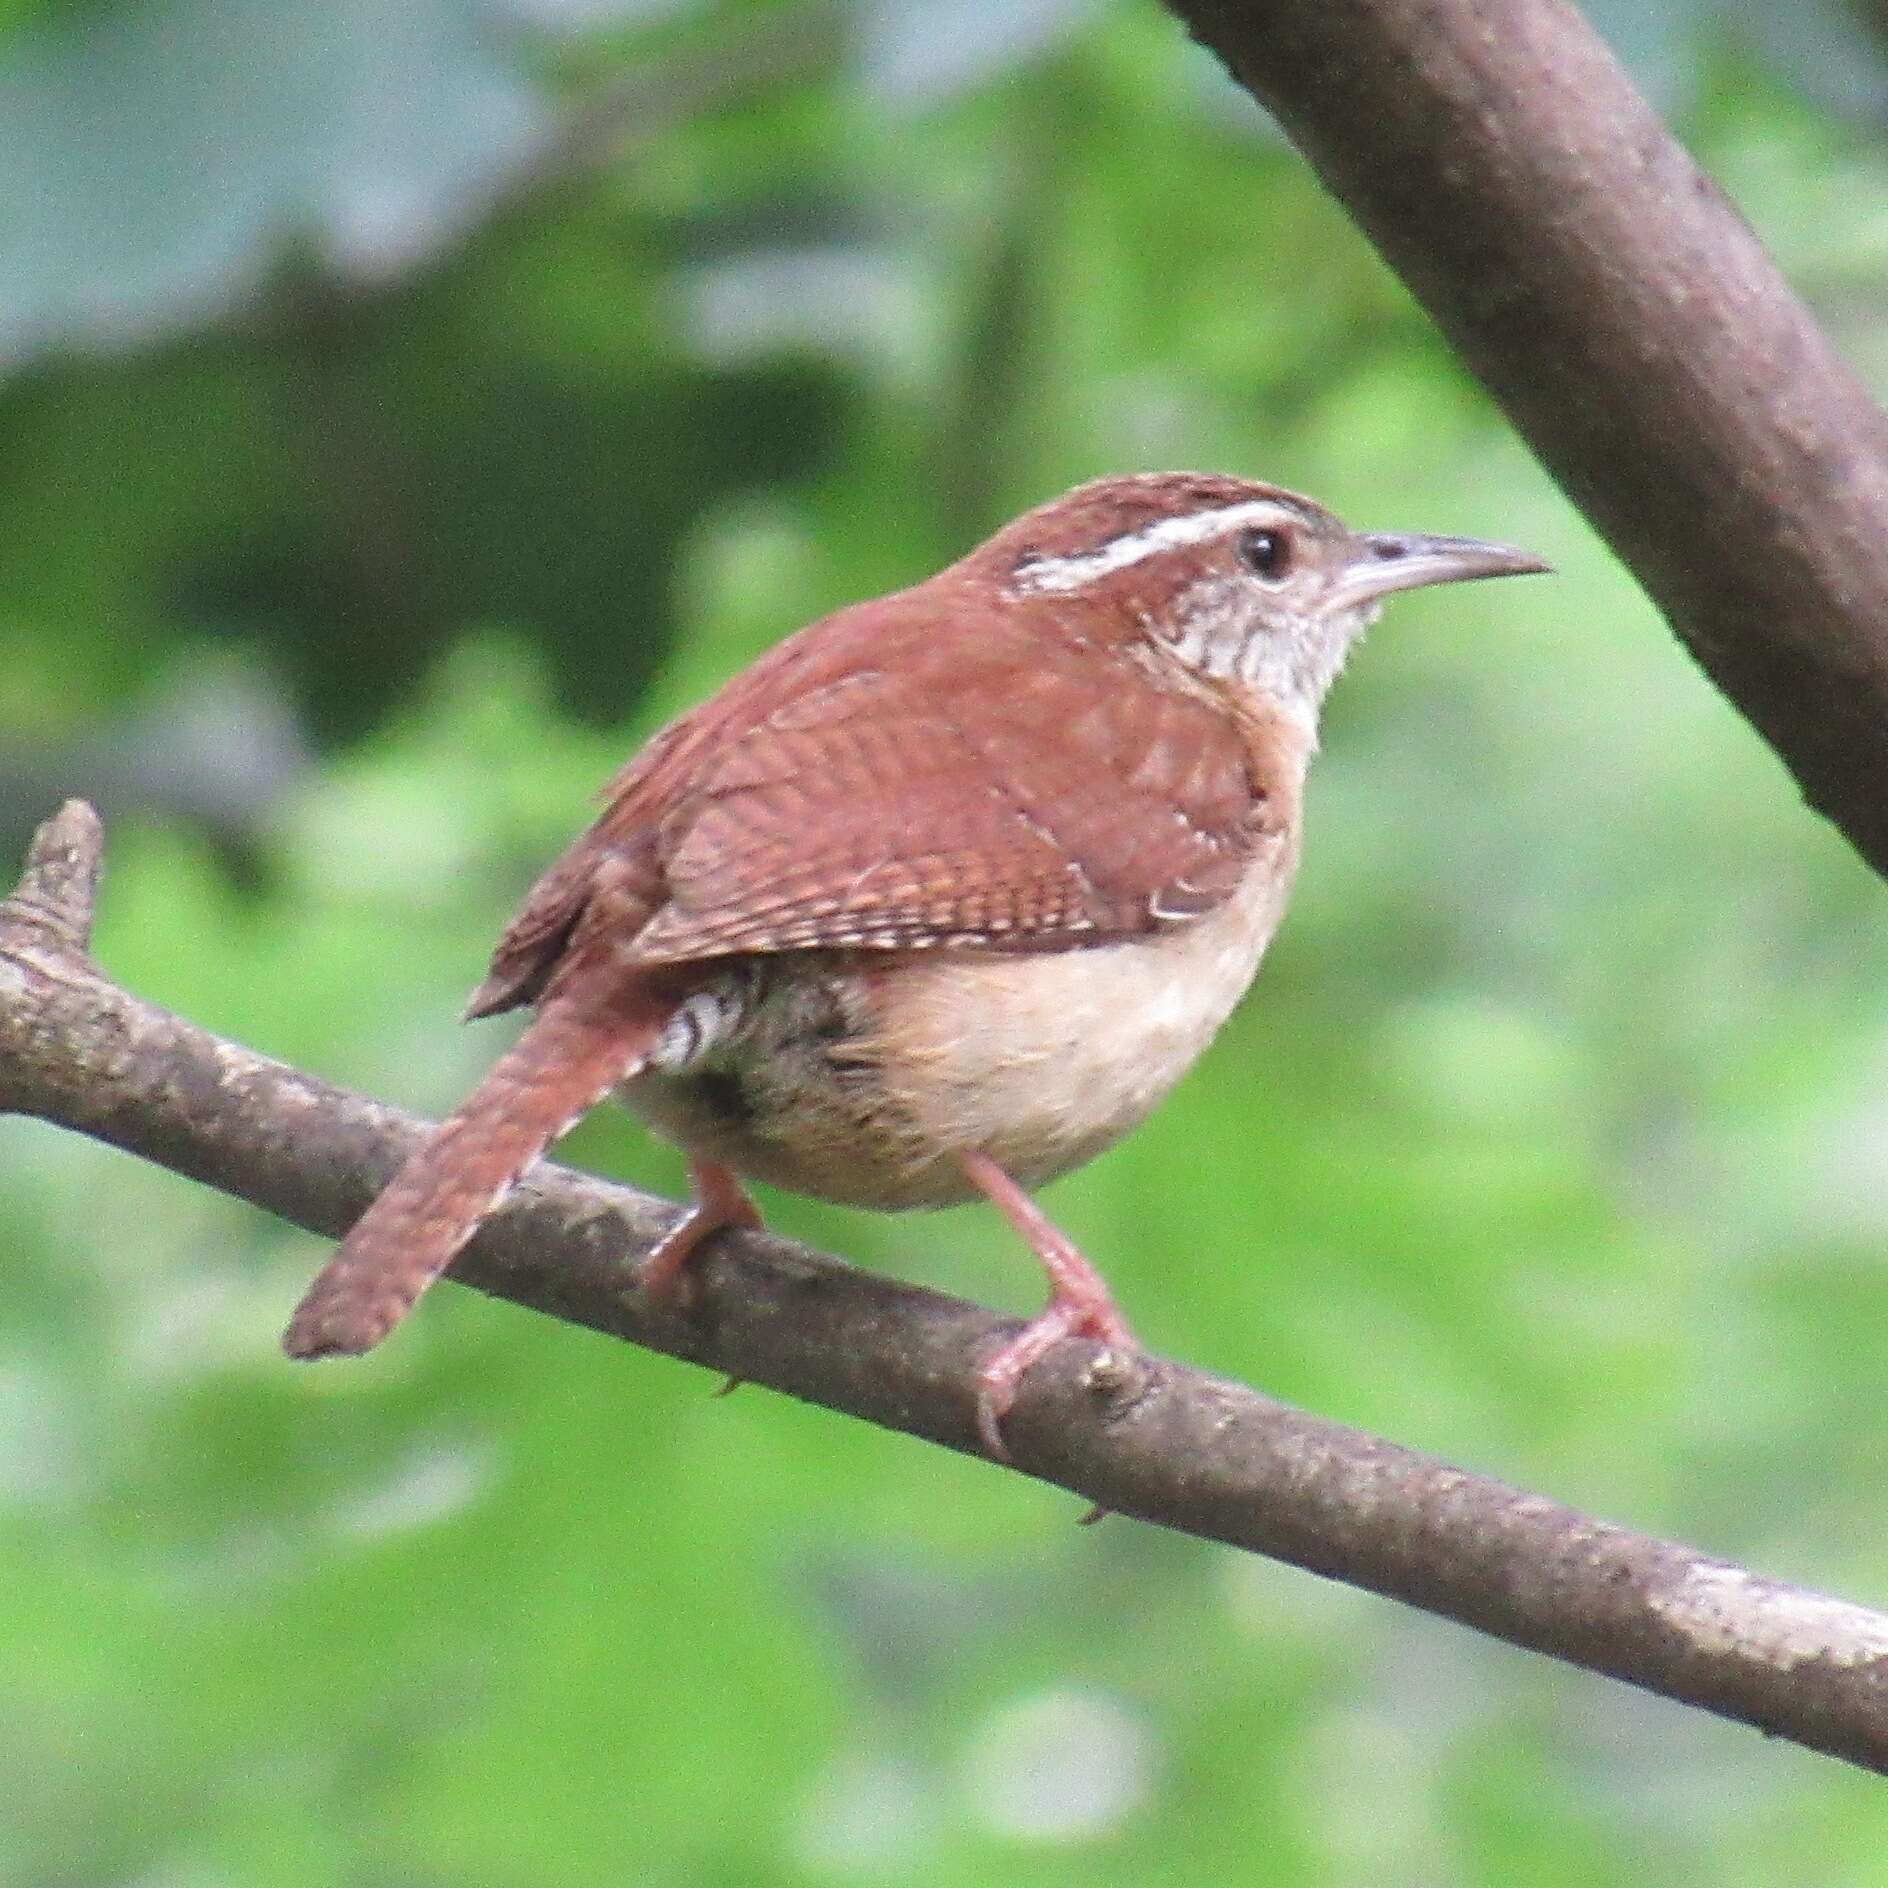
(936, 899)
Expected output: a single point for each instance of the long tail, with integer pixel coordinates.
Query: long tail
(572, 1055)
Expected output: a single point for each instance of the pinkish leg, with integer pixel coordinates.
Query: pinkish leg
(720, 1200)
(1079, 1301)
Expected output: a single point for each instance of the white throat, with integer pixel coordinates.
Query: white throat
(1291, 659)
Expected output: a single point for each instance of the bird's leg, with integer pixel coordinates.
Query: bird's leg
(1079, 1301)
(720, 1200)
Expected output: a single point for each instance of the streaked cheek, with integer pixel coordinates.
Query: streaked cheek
(1210, 627)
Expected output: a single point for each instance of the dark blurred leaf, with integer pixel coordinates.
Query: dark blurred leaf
(155, 158)
(218, 743)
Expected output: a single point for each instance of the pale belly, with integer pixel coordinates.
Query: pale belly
(857, 1083)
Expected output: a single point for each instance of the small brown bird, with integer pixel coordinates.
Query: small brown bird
(939, 898)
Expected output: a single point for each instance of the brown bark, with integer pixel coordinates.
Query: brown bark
(1632, 326)
(1142, 1437)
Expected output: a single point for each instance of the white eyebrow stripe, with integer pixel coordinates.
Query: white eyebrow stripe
(1165, 534)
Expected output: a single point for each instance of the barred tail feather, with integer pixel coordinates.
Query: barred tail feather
(575, 1051)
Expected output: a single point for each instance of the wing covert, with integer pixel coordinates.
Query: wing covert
(1076, 807)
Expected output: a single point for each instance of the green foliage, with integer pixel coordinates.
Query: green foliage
(1551, 1140)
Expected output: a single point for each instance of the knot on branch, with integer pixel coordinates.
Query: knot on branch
(50, 911)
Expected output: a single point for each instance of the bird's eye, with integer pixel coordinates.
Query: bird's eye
(1266, 554)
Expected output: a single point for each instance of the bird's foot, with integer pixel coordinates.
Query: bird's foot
(720, 1201)
(1079, 1301)
(1069, 1314)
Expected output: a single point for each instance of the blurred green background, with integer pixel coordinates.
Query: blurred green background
(406, 405)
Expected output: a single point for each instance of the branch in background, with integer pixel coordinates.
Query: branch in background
(1168, 1444)
(623, 114)
(598, 128)
(1632, 326)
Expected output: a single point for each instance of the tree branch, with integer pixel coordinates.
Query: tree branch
(631, 110)
(1632, 326)
(1139, 1436)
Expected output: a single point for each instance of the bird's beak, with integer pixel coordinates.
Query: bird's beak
(1386, 561)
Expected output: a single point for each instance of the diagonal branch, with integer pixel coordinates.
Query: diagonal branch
(613, 121)
(1143, 1437)
(1632, 326)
